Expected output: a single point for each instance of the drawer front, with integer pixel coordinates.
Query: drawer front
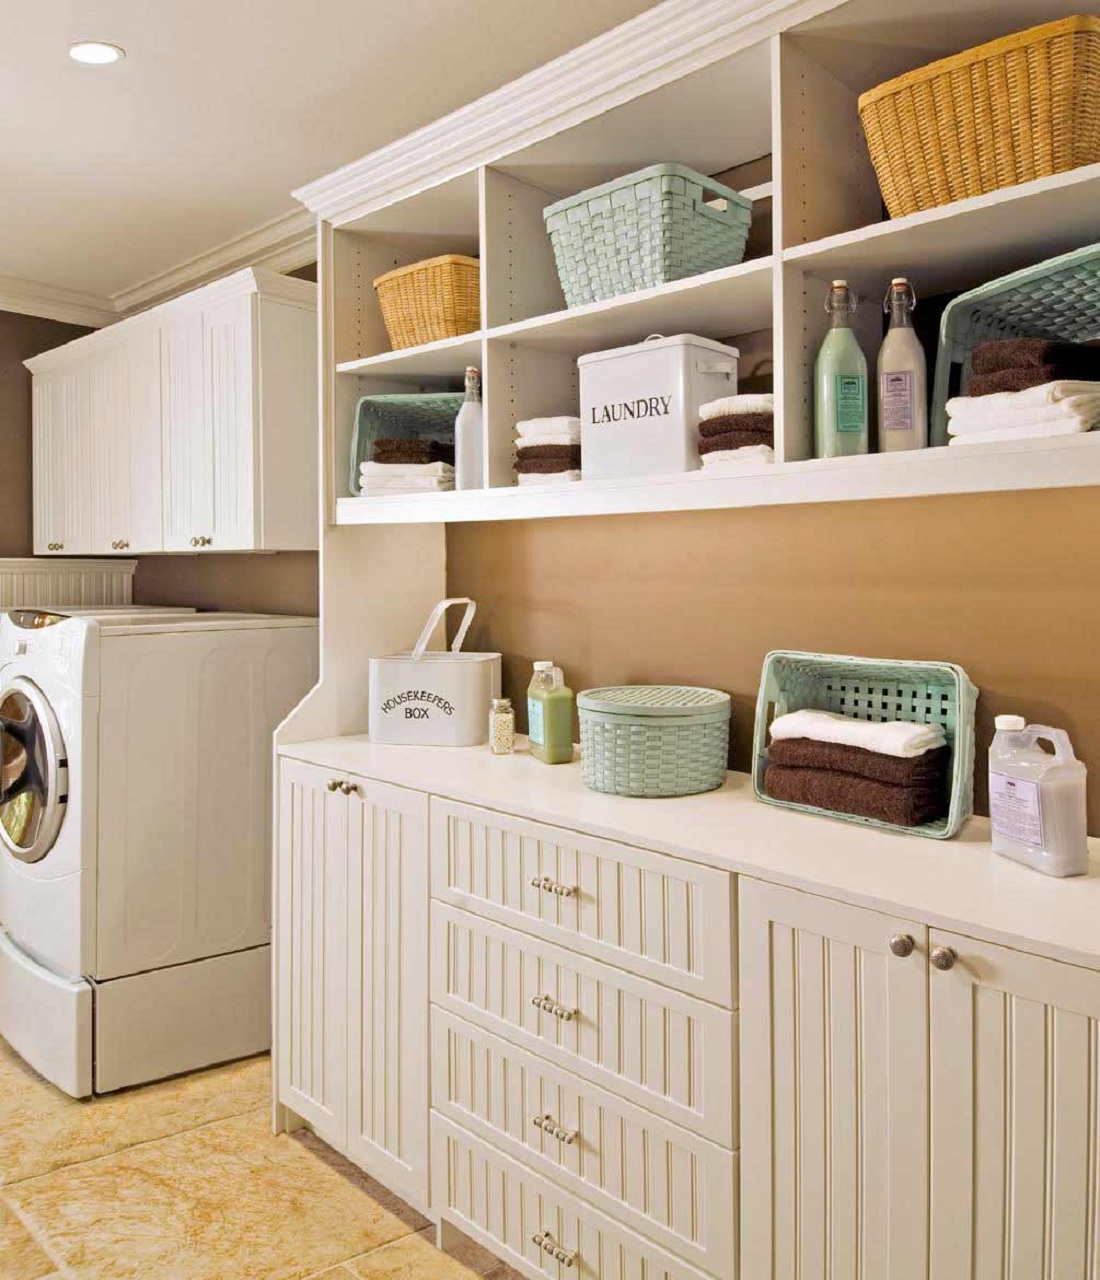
(524, 1219)
(645, 1172)
(666, 919)
(660, 1048)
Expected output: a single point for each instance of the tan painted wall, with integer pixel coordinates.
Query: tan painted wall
(20, 338)
(1006, 584)
(281, 583)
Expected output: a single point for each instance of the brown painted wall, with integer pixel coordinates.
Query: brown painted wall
(20, 338)
(282, 583)
(1007, 585)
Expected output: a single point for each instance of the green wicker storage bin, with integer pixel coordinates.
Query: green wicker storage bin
(417, 416)
(870, 689)
(654, 740)
(1058, 298)
(647, 228)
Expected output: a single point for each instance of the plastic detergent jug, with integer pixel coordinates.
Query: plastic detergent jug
(550, 715)
(1037, 800)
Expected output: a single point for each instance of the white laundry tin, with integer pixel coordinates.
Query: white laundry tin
(640, 404)
(434, 699)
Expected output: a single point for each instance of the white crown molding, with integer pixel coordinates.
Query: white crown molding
(50, 302)
(653, 49)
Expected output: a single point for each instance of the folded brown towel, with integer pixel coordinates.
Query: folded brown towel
(929, 769)
(734, 440)
(737, 422)
(570, 452)
(546, 466)
(1029, 353)
(388, 449)
(987, 384)
(863, 797)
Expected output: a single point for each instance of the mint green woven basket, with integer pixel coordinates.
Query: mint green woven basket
(654, 740)
(1058, 298)
(428, 415)
(870, 689)
(647, 228)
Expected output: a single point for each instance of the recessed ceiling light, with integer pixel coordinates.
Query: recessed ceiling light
(98, 53)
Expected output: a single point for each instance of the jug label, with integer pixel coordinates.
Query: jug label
(1016, 809)
(535, 729)
(897, 401)
(851, 410)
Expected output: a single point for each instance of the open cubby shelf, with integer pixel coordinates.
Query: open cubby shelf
(777, 120)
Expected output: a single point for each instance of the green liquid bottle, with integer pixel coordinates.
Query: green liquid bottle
(840, 382)
(550, 715)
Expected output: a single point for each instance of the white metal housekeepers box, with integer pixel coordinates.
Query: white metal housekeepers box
(434, 699)
(640, 404)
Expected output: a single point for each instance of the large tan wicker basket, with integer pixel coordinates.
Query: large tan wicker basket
(430, 300)
(1018, 108)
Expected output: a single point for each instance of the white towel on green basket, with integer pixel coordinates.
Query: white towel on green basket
(386, 470)
(888, 737)
(1074, 406)
(1037, 431)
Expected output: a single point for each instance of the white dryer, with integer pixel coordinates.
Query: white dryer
(135, 836)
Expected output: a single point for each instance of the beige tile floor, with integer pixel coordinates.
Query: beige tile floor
(184, 1180)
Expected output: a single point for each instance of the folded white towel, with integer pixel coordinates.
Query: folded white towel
(760, 403)
(1076, 413)
(389, 469)
(550, 427)
(548, 477)
(1009, 435)
(408, 484)
(1051, 399)
(551, 437)
(888, 737)
(723, 459)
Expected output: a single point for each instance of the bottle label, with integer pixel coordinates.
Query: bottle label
(896, 390)
(851, 402)
(535, 730)
(1016, 809)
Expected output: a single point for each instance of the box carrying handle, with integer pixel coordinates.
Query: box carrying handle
(716, 366)
(433, 621)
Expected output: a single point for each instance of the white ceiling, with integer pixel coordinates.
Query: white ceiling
(113, 175)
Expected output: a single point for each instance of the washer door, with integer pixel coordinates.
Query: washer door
(34, 772)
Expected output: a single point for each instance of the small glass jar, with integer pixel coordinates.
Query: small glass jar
(502, 727)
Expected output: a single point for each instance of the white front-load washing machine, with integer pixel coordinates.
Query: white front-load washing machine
(135, 836)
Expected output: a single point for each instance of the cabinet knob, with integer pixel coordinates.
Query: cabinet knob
(123, 545)
(333, 784)
(55, 546)
(942, 958)
(349, 788)
(901, 944)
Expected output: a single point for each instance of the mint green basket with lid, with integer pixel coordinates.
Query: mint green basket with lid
(873, 689)
(647, 228)
(654, 740)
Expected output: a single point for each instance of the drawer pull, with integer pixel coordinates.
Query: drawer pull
(551, 886)
(549, 1125)
(549, 1005)
(546, 1242)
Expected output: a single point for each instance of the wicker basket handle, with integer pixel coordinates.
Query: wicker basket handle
(433, 621)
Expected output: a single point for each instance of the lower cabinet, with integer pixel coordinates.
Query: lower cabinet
(834, 1077)
(352, 1023)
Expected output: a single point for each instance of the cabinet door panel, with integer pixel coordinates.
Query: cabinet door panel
(388, 986)
(312, 922)
(834, 1122)
(63, 440)
(228, 373)
(188, 451)
(1015, 1056)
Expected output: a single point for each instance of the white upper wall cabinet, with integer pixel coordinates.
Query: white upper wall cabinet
(188, 428)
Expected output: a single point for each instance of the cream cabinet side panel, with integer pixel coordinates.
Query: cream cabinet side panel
(229, 334)
(187, 460)
(834, 1090)
(287, 389)
(1015, 1059)
(388, 1082)
(311, 946)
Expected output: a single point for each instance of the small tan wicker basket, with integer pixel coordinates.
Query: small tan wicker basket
(1018, 108)
(431, 300)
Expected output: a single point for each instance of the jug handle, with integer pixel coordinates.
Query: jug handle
(1058, 739)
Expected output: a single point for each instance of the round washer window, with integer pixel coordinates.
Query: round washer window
(33, 772)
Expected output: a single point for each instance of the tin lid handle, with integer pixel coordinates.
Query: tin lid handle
(433, 621)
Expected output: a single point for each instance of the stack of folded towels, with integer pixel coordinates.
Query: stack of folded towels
(892, 771)
(737, 430)
(408, 466)
(548, 450)
(1023, 388)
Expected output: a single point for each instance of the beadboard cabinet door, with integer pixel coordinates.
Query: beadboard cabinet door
(1015, 1062)
(62, 493)
(312, 918)
(388, 1081)
(186, 427)
(834, 1109)
(228, 371)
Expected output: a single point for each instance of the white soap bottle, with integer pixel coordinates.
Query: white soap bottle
(469, 437)
(1037, 800)
(902, 375)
